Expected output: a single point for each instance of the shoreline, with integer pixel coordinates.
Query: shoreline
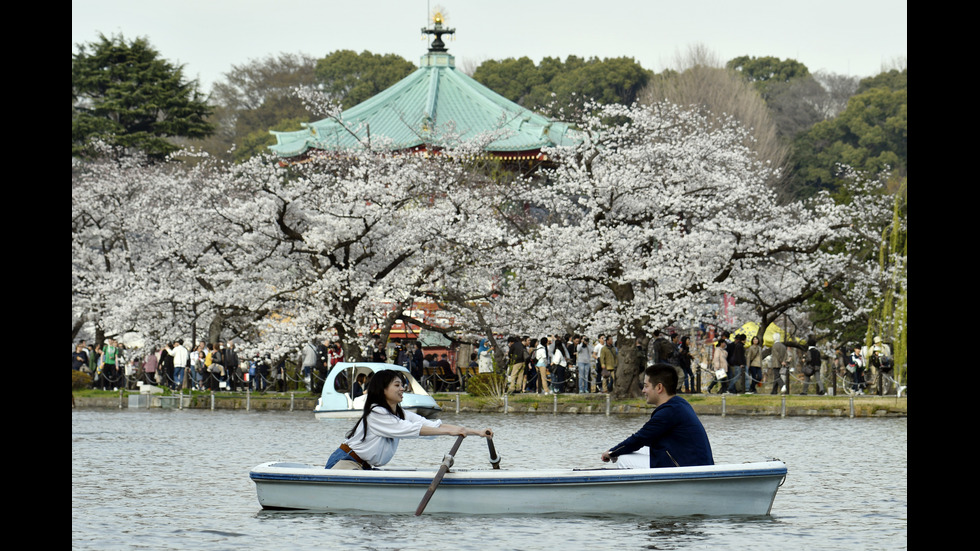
(564, 404)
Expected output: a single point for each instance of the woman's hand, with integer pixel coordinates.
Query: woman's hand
(453, 430)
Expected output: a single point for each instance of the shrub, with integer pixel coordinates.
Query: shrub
(486, 384)
(80, 380)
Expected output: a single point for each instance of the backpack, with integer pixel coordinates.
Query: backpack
(665, 350)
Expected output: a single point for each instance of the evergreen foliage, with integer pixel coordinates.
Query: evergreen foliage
(553, 86)
(870, 135)
(767, 72)
(124, 94)
(350, 78)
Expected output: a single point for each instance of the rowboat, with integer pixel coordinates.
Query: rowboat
(337, 401)
(718, 490)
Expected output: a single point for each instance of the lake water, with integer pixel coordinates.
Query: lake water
(159, 479)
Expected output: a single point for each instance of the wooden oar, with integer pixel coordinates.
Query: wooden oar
(446, 463)
(494, 458)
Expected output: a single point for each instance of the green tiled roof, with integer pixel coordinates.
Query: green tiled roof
(431, 107)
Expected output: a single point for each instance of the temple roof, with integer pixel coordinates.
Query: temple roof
(435, 106)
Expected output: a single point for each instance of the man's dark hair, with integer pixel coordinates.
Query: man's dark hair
(665, 374)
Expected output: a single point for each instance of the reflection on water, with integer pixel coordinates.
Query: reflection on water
(179, 479)
(673, 534)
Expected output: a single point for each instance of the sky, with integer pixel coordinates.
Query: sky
(850, 37)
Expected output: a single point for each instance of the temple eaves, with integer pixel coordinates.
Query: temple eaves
(435, 107)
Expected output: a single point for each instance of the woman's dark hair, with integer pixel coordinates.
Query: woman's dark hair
(376, 397)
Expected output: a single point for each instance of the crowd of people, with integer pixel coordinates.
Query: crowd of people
(725, 363)
(708, 360)
(206, 366)
(737, 367)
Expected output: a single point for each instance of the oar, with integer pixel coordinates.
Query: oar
(447, 462)
(494, 458)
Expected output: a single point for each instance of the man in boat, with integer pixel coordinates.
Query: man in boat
(673, 437)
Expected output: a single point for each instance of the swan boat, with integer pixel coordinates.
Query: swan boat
(747, 489)
(337, 401)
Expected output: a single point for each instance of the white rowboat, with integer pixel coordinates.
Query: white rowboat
(717, 490)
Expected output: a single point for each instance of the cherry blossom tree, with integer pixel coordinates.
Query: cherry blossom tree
(867, 300)
(354, 235)
(152, 254)
(103, 259)
(656, 212)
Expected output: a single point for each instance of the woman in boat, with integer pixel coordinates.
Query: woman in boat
(374, 439)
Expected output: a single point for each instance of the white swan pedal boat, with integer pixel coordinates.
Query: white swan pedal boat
(337, 402)
(718, 490)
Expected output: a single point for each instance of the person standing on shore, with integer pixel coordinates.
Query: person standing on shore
(736, 364)
(485, 357)
(517, 355)
(780, 370)
(607, 358)
(181, 357)
(811, 367)
(753, 355)
(719, 363)
(856, 367)
(583, 358)
(684, 359)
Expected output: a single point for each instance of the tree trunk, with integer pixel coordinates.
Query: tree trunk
(99, 335)
(629, 367)
(352, 352)
(214, 329)
(76, 326)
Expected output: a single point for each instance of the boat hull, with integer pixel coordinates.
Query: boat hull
(720, 490)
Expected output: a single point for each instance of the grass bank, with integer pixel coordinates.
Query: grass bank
(568, 404)
(713, 404)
